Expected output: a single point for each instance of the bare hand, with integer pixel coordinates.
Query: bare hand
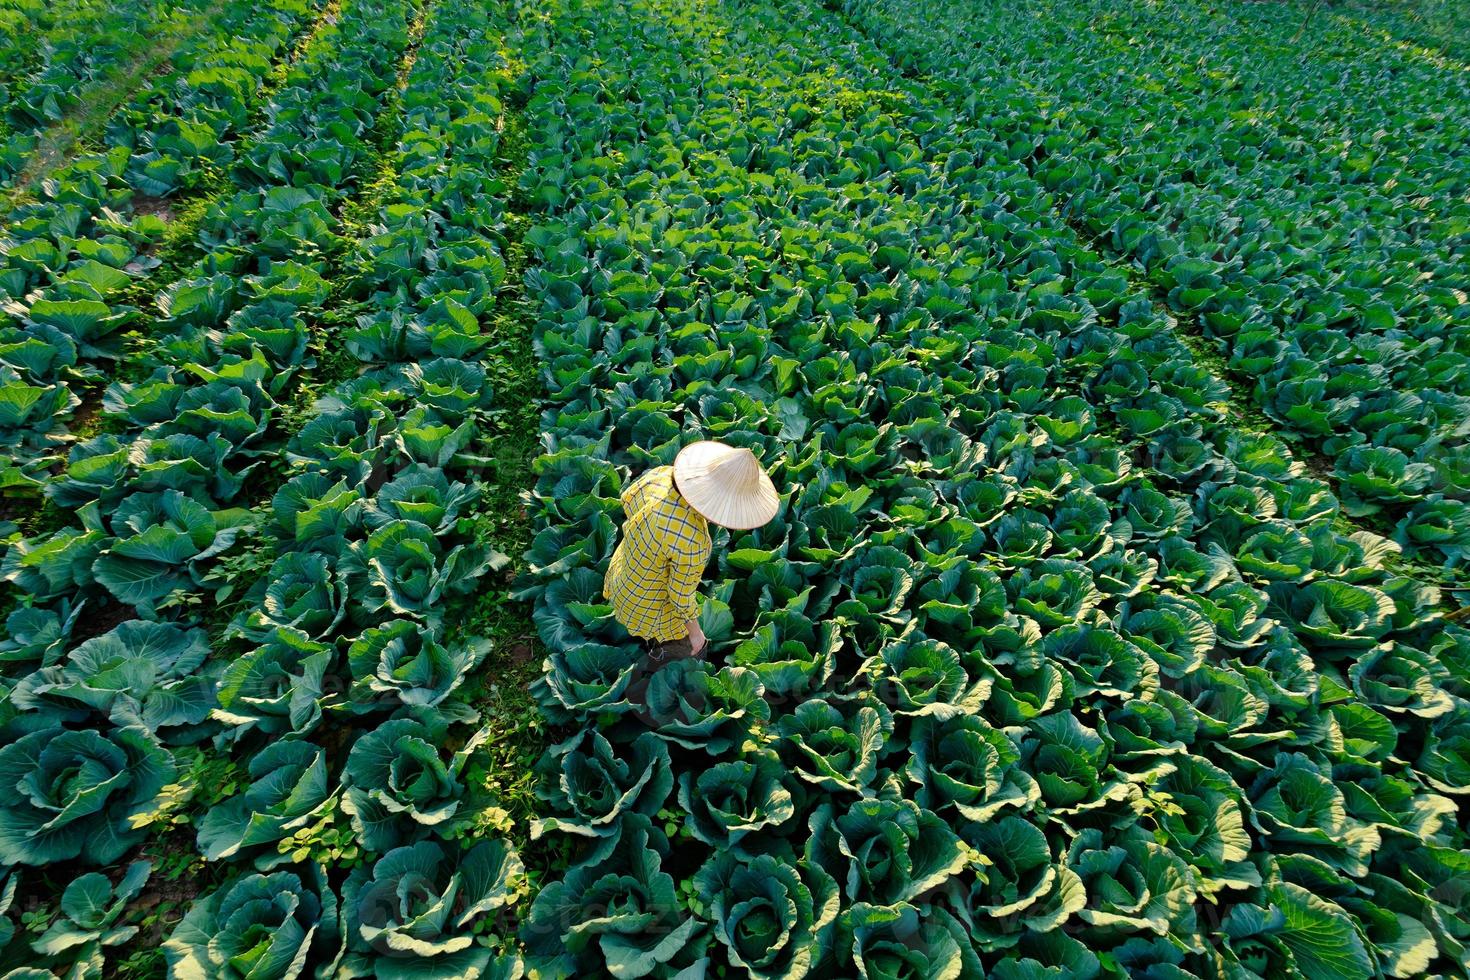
(697, 640)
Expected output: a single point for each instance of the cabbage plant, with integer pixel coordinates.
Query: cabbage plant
(596, 785)
(405, 569)
(1133, 884)
(776, 918)
(289, 786)
(1026, 885)
(416, 912)
(962, 763)
(77, 792)
(836, 746)
(159, 543)
(399, 664)
(691, 707)
(619, 916)
(279, 926)
(91, 910)
(278, 687)
(905, 942)
(885, 851)
(399, 786)
(303, 591)
(729, 800)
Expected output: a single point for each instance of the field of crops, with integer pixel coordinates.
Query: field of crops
(1112, 359)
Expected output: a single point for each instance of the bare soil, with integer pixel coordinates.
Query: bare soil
(158, 207)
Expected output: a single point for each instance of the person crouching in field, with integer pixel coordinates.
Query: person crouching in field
(653, 579)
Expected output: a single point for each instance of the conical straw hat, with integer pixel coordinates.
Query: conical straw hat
(726, 485)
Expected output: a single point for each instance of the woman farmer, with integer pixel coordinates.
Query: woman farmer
(655, 571)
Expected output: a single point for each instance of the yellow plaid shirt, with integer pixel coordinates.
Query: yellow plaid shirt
(656, 568)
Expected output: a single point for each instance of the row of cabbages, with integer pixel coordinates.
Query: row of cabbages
(337, 689)
(1309, 212)
(195, 413)
(72, 261)
(1440, 30)
(56, 59)
(1044, 664)
(375, 542)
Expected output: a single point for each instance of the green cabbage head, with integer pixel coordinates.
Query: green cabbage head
(414, 914)
(71, 794)
(775, 917)
(259, 927)
(399, 786)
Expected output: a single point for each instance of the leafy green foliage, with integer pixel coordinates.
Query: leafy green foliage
(398, 786)
(289, 785)
(585, 778)
(1047, 665)
(620, 916)
(776, 918)
(1049, 662)
(90, 908)
(1348, 342)
(259, 926)
(140, 674)
(319, 532)
(414, 913)
(80, 791)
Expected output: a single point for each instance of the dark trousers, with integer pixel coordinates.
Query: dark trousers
(659, 656)
(662, 653)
